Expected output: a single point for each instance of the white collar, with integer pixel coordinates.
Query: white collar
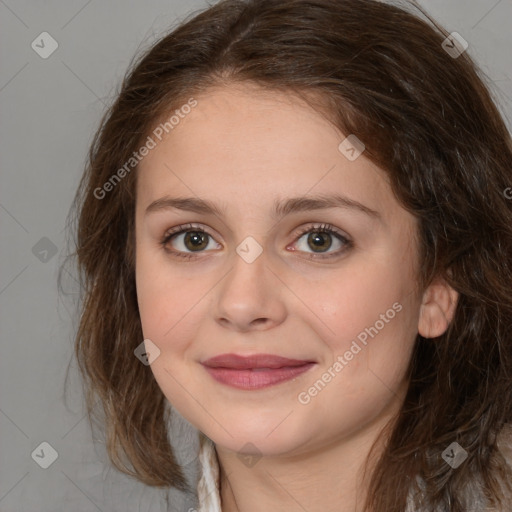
(208, 486)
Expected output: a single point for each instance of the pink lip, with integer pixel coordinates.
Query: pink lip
(254, 372)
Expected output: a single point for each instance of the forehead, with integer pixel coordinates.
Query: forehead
(248, 147)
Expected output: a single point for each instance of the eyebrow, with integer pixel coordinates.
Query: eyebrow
(280, 208)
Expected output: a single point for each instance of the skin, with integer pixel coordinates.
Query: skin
(243, 148)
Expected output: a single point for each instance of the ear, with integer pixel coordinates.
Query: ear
(437, 309)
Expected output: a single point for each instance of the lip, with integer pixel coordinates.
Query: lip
(256, 371)
(235, 361)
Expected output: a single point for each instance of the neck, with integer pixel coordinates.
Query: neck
(328, 477)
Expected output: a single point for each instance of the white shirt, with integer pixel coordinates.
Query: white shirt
(208, 486)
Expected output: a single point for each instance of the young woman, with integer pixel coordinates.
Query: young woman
(294, 230)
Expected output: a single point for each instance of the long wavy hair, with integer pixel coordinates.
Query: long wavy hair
(426, 117)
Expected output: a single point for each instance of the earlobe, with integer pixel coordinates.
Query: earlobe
(437, 309)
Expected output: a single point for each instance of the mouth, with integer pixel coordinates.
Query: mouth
(256, 371)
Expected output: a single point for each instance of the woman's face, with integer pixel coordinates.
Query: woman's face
(265, 279)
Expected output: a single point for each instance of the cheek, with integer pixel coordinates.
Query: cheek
(166, 307)
(163, 297)
(366, 316)
(347, 303)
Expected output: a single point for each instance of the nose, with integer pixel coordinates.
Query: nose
(250, 297)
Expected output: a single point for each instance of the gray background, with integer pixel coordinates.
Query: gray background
(49, 111)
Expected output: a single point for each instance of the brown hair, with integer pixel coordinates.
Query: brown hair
(427, 119)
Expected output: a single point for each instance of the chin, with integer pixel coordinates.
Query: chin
(255, 439)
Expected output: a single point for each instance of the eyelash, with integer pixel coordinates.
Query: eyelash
(323, 228)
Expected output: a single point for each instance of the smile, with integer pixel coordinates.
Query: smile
(256, 378)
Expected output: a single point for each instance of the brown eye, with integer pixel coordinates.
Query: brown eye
(195, 240)
(320, 239)
(185, 240)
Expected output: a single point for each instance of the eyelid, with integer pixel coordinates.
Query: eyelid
(183, 228)
(321, 227)
(300, 231)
